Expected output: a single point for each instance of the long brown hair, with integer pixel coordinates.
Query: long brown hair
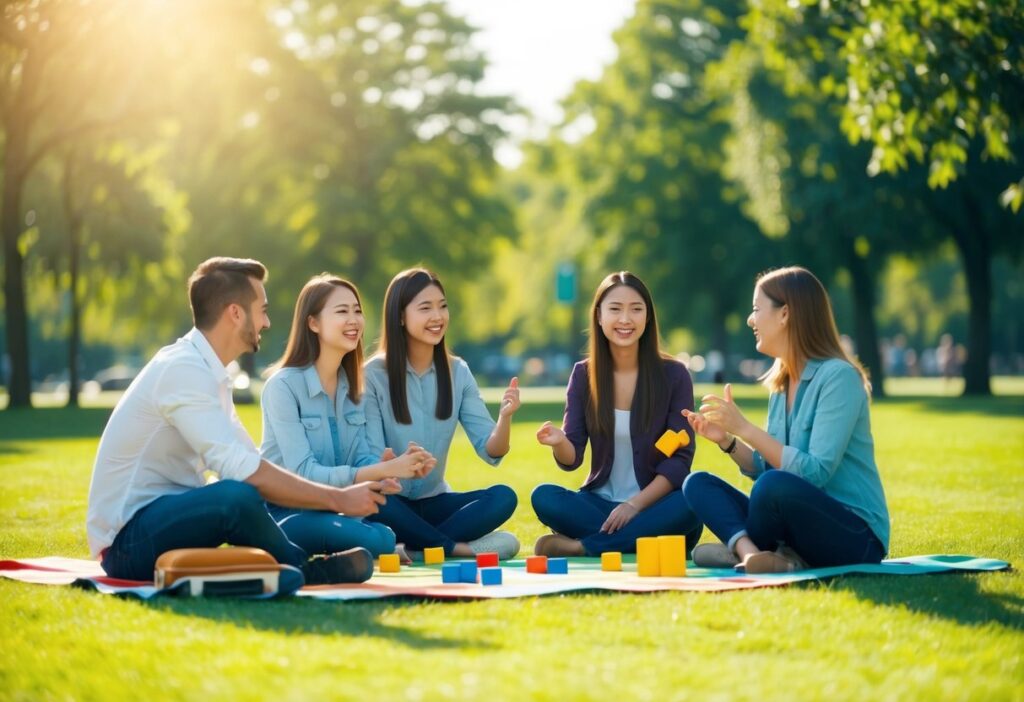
(650, 380)
(304, 344)
(393, 344)
(811, 331)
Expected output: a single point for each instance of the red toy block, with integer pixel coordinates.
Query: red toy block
(486, 560)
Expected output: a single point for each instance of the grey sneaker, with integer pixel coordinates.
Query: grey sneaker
(714, 556)
(504, 543)
(352, 566)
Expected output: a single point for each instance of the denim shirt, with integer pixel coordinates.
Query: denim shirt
(433, 434)
(826, 440)
(307, 433)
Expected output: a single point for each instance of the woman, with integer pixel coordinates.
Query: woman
(817, 498)
(416, 392)
(622, 399)
(313, 423)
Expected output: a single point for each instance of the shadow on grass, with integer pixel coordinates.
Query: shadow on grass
(999, 406)
(304, 616)
(957, 597)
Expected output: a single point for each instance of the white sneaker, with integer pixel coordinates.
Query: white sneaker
(504, 543)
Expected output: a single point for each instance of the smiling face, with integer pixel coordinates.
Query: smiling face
(255, 319)
(768, 320)
(340, 323)
(622, 316)
(425, 318)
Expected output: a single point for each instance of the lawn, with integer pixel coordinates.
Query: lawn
(953, 474)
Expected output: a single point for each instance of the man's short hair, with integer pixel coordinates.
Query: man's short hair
(218, 282)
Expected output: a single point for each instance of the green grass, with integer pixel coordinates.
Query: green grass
(952, 472)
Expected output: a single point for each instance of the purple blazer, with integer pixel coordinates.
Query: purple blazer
(648, 461)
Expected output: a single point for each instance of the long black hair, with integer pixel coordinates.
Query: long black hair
(650, 378)
(393, 344)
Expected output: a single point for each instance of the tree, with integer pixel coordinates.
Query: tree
(940, 81)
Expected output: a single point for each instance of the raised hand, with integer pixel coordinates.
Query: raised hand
(723, 412)
(550, 435)
(510, 400)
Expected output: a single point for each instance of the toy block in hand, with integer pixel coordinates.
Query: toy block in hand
(433, 555)
(672, 441)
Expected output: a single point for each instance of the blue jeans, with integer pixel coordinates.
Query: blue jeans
(579, 514)
(228, 511)
(784, 509)
(327, 532)
(448, 518)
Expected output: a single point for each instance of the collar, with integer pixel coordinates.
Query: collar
(315, 387)
(810, 368)
(202, 345)
(428, 371)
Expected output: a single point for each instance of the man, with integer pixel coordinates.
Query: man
(176, 421)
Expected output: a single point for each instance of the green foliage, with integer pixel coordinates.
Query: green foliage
(920, 80)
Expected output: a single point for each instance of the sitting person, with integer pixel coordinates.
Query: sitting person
(817, 498)
(314, 425)
(416, 392)
(622, 399)
(176, 421)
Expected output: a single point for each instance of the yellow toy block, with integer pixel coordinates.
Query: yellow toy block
(672, 552)
(672, 441)
(389, 563)
(611, 560)
(648, 557)
(433, 555)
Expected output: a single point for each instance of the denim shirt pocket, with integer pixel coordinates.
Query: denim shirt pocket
(355, 417)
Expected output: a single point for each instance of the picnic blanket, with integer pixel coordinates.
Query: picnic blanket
(585, 574)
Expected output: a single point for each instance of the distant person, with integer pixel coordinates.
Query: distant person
(621, 399)
(176, 421)
(946, 357)
(817, 498)
(417, 392)
(313, 422)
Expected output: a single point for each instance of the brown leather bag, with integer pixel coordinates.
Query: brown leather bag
(233, 571)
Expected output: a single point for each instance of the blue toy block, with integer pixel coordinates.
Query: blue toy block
(490, 576)
(467, 572)
(558, 566)
(451, 573)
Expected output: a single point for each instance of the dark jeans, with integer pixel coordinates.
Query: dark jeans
(579, 514)
(227, 511)
(784, 509)
(448, 518)
(328, 532)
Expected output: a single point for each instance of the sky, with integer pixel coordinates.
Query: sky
(537, 50)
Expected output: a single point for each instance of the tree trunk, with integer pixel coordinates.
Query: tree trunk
(865, 331)
(975, 249)
(15, 309)
(74, 222)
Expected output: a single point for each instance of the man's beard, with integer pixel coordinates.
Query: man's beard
(250, 336)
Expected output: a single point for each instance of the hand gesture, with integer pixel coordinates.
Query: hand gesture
(360, 500)
(416, 462)
(619, 517)
(723, 412)
(701, 426)
(510, 400)
(550, 435)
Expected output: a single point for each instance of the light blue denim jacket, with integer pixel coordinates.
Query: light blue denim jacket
(826, 440)
(433, 434)
(297, 432)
